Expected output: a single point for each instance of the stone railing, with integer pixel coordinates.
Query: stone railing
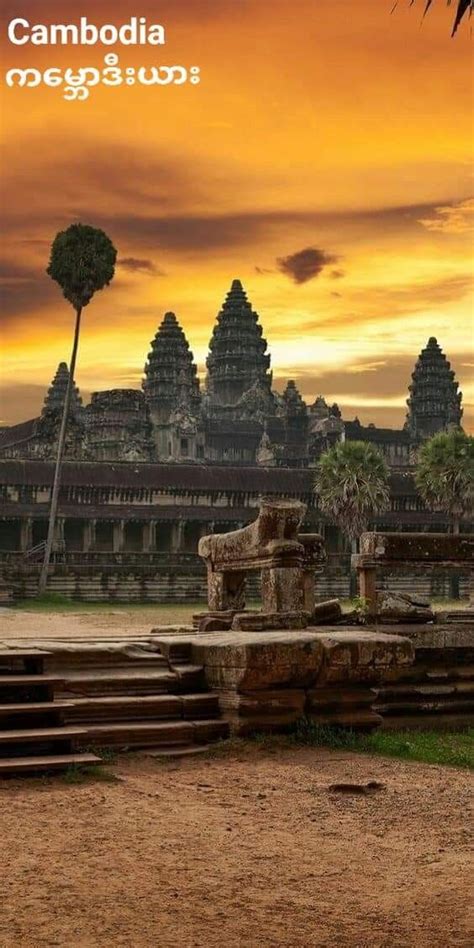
(409, 551)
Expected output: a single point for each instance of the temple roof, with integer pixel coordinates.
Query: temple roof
(170, 477)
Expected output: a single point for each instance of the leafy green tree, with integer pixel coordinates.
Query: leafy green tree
(82, 262)
(353, 486)
(445, 474)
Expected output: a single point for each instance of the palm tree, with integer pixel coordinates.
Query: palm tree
(352, 483)
(82, 262)
(445, 474)
(445, 479)
(462, 8)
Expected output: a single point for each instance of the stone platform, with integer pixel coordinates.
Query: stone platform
(390, 676)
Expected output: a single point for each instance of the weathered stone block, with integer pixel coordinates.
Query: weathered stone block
(246, 661)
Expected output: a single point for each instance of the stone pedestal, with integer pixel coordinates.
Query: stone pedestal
(282, 589)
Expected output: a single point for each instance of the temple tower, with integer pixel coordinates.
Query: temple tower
(56, 393)
(118, 426)
(170, 372)
(171, 388)
(49, 422)
(238, 360)
(434, 403)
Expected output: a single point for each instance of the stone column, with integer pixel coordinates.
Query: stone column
(177, 536)
(88, 536)
(59, 544)
(368, 588)
(118, 536)
(148, 542)
(283, 589)
(26, 534)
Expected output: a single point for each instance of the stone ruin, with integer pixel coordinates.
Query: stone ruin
(288, 562)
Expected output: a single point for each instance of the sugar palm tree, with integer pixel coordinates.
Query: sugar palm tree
(352, 484)
(445, 474)
(445, 479)
(82, 262)
(462, 8)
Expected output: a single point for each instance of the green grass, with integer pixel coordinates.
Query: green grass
(451, 748)
(87, 774)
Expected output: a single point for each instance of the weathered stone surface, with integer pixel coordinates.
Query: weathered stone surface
(271, 544)
(362, 655)
(247, 661)
(327, 612)
(271, 538)
(214, 624)
(267, 621)
(422, 548)
(400, 607)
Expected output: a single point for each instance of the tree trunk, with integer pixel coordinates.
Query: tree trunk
(43, 580)
(353, 587)
(454, 581)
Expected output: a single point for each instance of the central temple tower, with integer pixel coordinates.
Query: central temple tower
(238, 360)
(435, 402)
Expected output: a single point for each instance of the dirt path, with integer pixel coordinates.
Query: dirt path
(251, 850)
(18, 623)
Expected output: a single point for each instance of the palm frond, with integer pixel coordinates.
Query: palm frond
(463, 7)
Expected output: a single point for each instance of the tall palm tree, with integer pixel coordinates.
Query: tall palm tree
(445, 479)
(352, 484)
(462, 8)
(445, 474)
(82, 262)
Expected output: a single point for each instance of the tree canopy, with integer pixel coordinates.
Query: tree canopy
(82, 261)
(445, 474)
(352, 483)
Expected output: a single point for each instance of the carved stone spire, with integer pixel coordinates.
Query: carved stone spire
(293, 404)
(56, 393)
(434, 403)
(170, 372)
(238, 355)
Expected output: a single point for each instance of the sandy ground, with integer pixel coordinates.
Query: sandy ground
(90, 623)
(247, 850)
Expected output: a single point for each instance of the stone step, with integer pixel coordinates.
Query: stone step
(106, 681)
(424, 721)
(27, 679)
(406, 689)
(147, 734)
(176, 751)
(16, 766)
(427, 704)
(140, 707)
(17, 689)
(140, 734)
(40, 734)
(41, 713)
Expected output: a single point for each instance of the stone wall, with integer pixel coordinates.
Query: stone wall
(188, 583)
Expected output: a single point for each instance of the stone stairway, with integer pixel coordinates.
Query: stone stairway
(132, 696)
(34, 736)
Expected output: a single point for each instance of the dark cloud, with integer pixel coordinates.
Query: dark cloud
(263, 270)
(305, 264)
(337, 274)
(139, 265)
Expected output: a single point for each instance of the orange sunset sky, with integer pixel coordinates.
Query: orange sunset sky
(323, 125)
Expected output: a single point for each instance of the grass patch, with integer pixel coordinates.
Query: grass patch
(79, 775)
(451, 748)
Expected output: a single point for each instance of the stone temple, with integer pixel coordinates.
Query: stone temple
(147, 473)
